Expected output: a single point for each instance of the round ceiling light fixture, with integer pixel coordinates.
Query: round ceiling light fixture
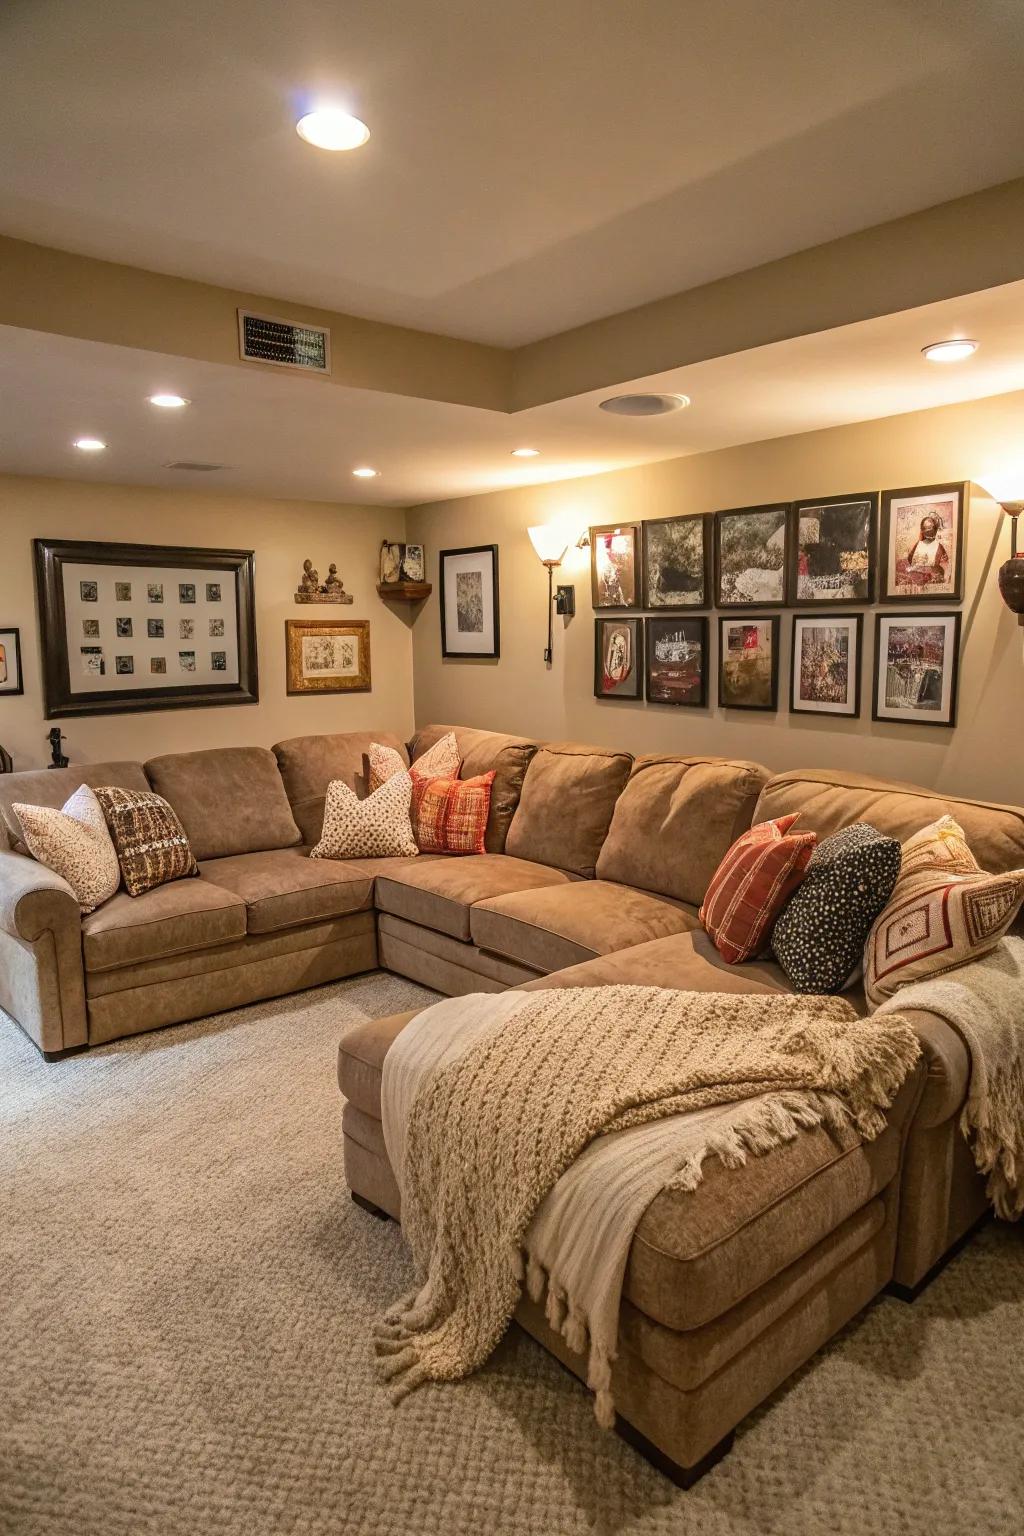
(331, 128)
(89, 444)
(952, 351)
(364, 472)
(644, 405)
(168, 402)
(525, 453)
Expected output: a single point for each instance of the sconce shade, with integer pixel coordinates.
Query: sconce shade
(550, 544)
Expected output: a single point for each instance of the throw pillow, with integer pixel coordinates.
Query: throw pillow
(375, 828)
(151, 843)
(75, 844)
(945, 911)
(818, 939)
(441, 762)
(751, 886)
(450, 815)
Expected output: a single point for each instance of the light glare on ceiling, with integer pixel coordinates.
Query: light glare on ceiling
(364, 472)
(90, 444)
(525, 453)
(952, 351)
(331, 128)
(167, 402)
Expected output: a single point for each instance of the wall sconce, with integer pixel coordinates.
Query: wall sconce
(1011, 572)
(550, 546)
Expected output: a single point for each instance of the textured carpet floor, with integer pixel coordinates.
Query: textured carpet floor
(185, 1296)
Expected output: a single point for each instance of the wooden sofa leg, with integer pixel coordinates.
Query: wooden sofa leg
(72, 1050)
(683, 1477)
(368, 1206)
(910, 1293)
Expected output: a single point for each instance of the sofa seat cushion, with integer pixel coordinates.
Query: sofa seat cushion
(283, 887)
(168, 920)
(688, 961)
(439, 891)
(229, 799)
(565, 924)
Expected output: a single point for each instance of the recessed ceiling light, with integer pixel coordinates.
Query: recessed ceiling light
(364, 472)
(168, 402)
(644, 405)
(953, 351)
(525, 453)
(330, 128)
(90, 444)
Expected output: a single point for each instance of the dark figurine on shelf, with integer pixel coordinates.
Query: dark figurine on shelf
(6, 762)
(55, 738)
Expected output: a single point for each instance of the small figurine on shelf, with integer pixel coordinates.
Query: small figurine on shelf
(309, 584)
(55, 738)
(333, 590)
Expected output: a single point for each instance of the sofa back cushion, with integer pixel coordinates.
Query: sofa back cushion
(229, 799)
(53, 786)
(566, 806)
(507, 757)
(309, 763)
(675, 821)
(830, 799)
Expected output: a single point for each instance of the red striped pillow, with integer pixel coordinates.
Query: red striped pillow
(450, 815)
(751, 886)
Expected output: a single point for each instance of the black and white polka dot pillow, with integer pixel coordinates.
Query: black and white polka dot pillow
(819, 937)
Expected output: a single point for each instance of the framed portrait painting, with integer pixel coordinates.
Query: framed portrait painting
(469, 601)
(677, 562)
(917, 662)
(832, 550)
(618, 658)
(750, 556)
(615, 565)
(11, 680)
(327, 656)
(825, 665)
(748, 663)
(923, 532)
(677, 661)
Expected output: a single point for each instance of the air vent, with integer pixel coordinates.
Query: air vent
(262, 339)
(193, 466)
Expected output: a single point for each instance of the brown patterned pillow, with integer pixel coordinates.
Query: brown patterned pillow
(151, 844)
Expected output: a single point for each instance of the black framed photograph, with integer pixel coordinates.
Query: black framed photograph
(923, 535)
(101, 653)
(748, 663)
(825, 664)
(917, 666)
(618, 658)
(676, 566)
(677, 661)
(11, 679)
(615, 565)
(750, 556)
(832, 550)
(469, 601)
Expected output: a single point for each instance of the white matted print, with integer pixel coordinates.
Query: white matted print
(922, 543)
(825, 669)
(469, 601)
(917, 658)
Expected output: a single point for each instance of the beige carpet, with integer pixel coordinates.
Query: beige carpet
(185, 1294)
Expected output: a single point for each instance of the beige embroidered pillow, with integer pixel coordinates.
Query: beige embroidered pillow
(152, 845)
(441, 762)
(75, 844)
(375, 828)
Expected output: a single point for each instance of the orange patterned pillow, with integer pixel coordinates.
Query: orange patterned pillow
(752, 884)
(450, 815)
(441, 762)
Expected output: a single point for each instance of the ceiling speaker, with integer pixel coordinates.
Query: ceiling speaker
(644, 405)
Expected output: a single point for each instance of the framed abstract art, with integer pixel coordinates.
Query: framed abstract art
(677, 562)
(618, 658)
(750, 556)
(832, 550)
(11, 680)
(825, 664)
(748, 663)
(917, 664)
(677, 661)
(615, 565)
(469, 602)
(923, 534)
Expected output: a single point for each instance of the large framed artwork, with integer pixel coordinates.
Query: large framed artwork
(129, 627)
(677, 661)
(327, 655)
(923, 532)
(615, 565)
(469, 601)
(11, 680)
(618, 658)
(748, 663)
(917, 663)
(677, 562)
(832, 550)
(825, 664)
(750, 556)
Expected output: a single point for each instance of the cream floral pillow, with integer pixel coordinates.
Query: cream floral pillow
(377, 827)
(75, 844)
(441, 762)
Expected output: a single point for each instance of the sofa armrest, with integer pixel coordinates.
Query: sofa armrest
(32, 898)
(948, 1064)
(42, 981)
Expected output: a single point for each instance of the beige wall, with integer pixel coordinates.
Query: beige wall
(282, 534)
(983, 756)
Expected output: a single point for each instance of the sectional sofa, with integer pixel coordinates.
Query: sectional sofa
(594, 870)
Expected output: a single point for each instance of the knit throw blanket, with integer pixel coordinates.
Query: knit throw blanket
(529, 1131)
(984, 1003)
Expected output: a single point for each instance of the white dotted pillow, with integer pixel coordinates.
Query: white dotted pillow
(375, 828)
(441, 762)
(75, 844)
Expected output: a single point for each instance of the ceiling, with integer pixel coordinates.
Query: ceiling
(532, 165)
(283, 435)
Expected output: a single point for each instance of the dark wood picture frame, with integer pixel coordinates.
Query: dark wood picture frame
(633, 529)
(703, 623)
(825, 502)
(295, 630)
(783, 507)
(916, 617)
(775, 620)
(60, 699)
(464, 655)
(960, 488)
(706, 519)
(637, 625)
(839, 618)
(5, 691)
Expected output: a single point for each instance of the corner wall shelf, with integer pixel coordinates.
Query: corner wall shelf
(404, 591)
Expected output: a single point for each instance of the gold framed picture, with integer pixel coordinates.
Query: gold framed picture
(323, 656)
